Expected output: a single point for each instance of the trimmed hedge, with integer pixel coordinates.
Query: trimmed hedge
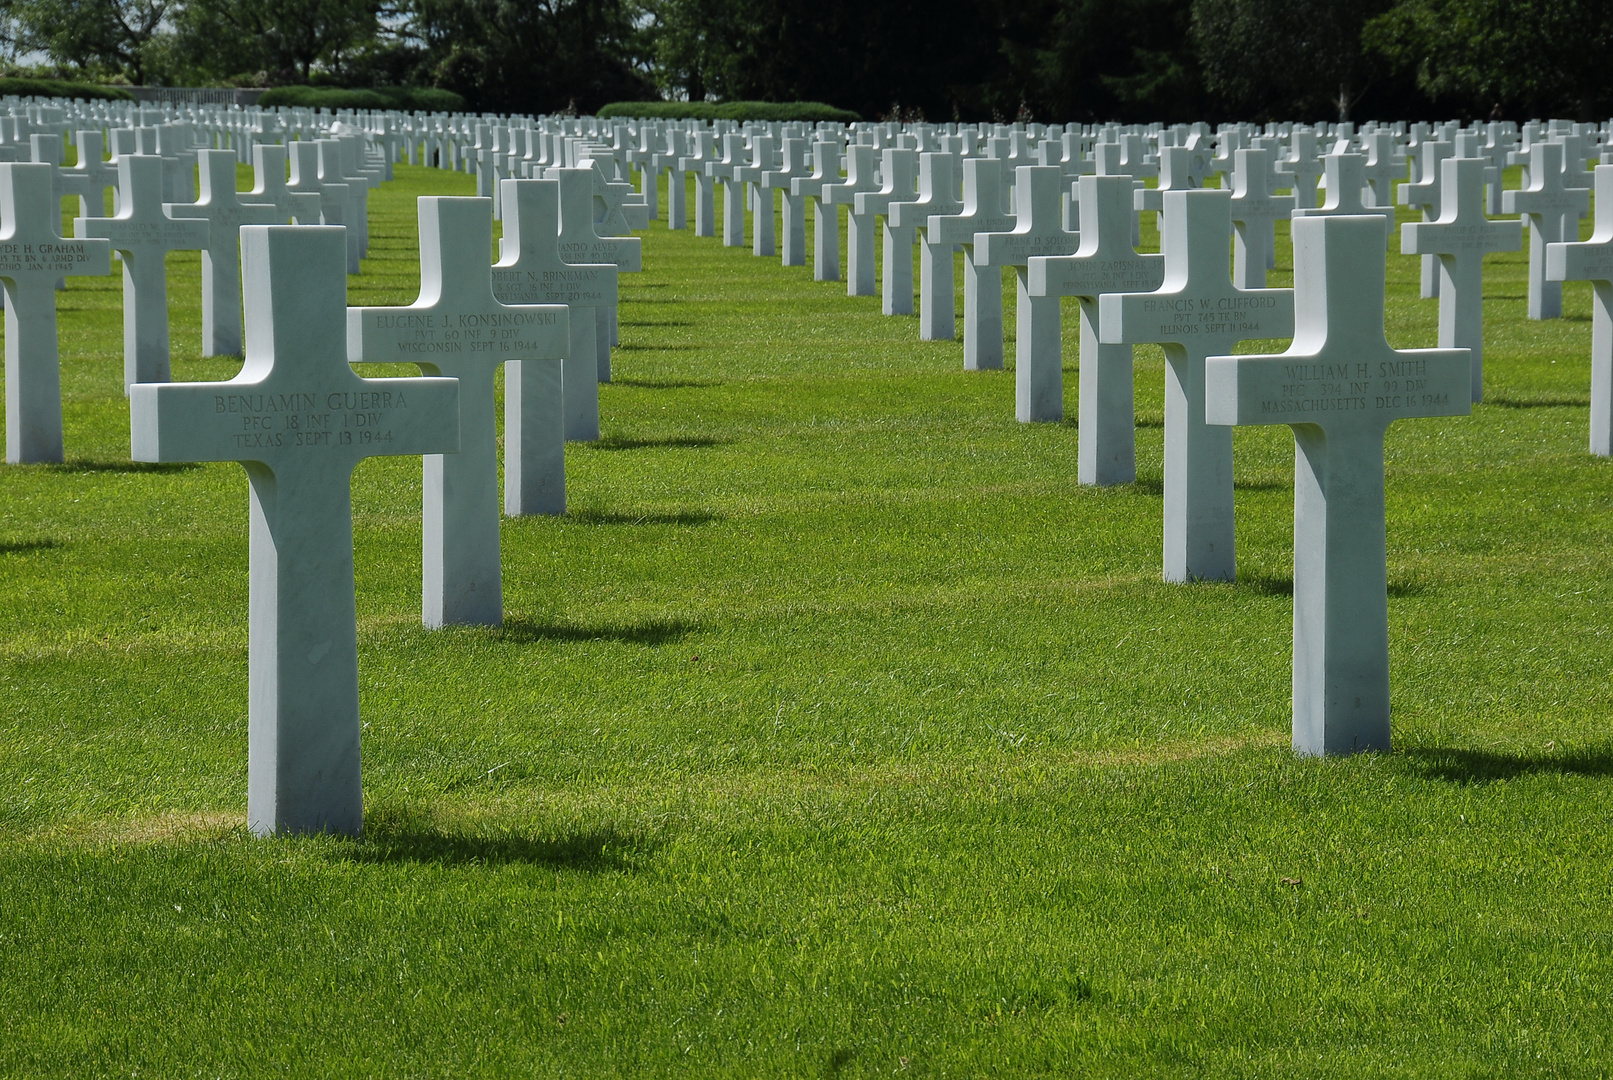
(405, 98)
(25, 87)
(804, 111)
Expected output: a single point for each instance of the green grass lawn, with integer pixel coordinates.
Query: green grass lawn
(835, 732)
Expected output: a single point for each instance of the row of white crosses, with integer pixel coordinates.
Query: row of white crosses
(1339, 385)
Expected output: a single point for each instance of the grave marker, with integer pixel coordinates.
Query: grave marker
(825, 218)
(1038, 230)
(936, 198)
(1459, 239)
(982, 285)
(33, 255)
(530, 271)
(143, 234)
(1339, 386)
(1546, 203)
(1255, 213)
(299, 420)
(1592, 260)
(859, 227)
(458, 329)
(1195, 312)
(898, 183)
(1106, 262)
(225, 213)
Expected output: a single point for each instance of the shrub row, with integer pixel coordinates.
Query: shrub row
(25, 87)
(406, 98)
(803, 111)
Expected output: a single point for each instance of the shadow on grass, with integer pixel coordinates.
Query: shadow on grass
(1150, 420)
(1266, 584)
(523, 630)
(1461, 766)
(1258, 581)
(618, 517)
(1544, 402)
(666, 384)
(686, 442)
(654, 322)
(19, 547)
(85, 465)
(404, 839)
(632, 346)
(1263, 485)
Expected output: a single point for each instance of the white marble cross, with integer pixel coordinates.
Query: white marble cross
(269, 176)
(225, 213)
(98, 173)
(143, 234)
(792, 166)
(982, 285)
(1459, 239)
(1038, 231)
(1106, 262)
(299, 420)
(1195, 312)
(1255, 213)
(1546, 203)
(859, 227)
(1592, 260)
(733, 205)
(1346, 189)
(1424, 194)
(530, 271)
(1382, 169)
(826, 219)
(457, 328)
(751, 174)
(33, 257)
(334, 204)
(1299, 167)
(937, 197)
(702, 151)
(898, 183)
(1339, 386)
(579, 243)
(331, 157)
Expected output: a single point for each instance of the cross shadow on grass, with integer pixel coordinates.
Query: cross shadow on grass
(617, 517)
(403, 838)
(1545, 401)
(525, 630)
(666, 384)
(1457, 765)
(1269, 584)
(673, 442)
(87, 465)
(21, 547)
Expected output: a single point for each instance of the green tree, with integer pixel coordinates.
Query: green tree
(1533, 56)
(115, 36)
(286, 39)
(1285, 58)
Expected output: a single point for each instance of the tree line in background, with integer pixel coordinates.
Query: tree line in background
(1050, 60)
